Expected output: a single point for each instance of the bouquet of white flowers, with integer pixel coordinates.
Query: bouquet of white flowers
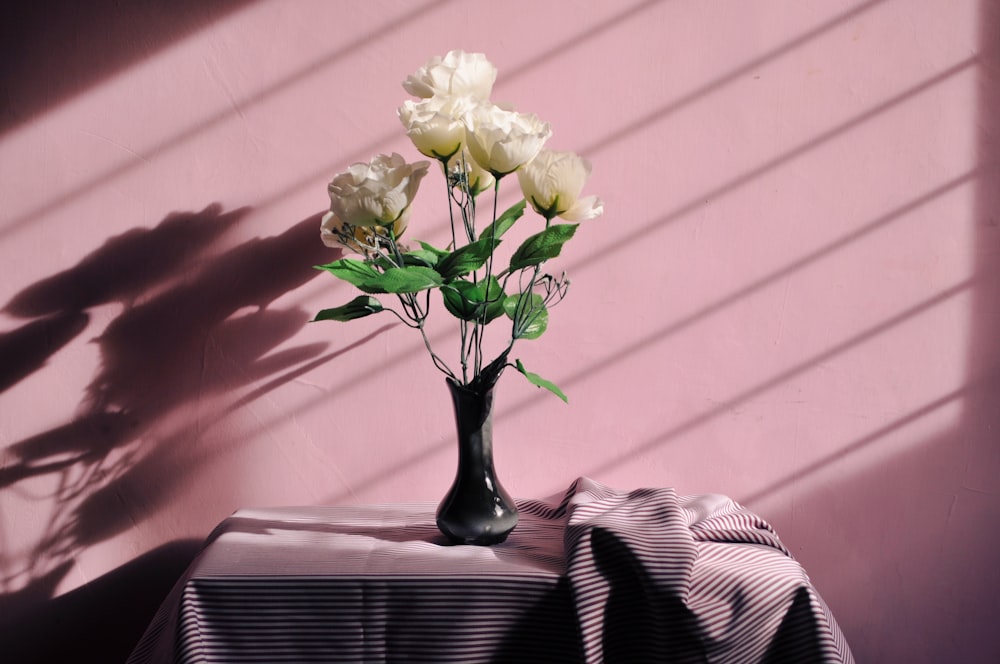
(477, 144)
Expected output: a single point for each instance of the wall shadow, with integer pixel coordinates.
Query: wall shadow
(97, 623)
(27, 349)
(128, 266)
(197, 323)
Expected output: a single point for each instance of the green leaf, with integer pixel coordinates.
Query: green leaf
(535, 326)
(421, 257)
(530, 316)
(519, 304)
(359, 307)
(538, 381)
(463, 299)
(494, 298)
(466, 259)
(504, 221)
(440, 253)
(409, 279)
(355, 272)
(383, 262)
(542, 246)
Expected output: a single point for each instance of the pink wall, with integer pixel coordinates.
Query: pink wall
(793, 297)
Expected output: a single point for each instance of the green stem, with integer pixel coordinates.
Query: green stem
(447, 189)
(463, 352)
(438, 362)
(381, 254)
(406, 321)
(525, 317)
(394, 247)
(489, 271)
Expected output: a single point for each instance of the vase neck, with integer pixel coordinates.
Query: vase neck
(474, 421)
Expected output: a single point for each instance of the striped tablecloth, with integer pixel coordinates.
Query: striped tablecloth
(601, 575)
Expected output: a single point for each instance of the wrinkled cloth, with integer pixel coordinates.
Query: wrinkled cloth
(598, 575)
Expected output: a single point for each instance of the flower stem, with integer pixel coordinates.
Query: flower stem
(438, 362)
(448, 195)
(481, 323)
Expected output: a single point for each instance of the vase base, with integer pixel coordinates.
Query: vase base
(486, 537)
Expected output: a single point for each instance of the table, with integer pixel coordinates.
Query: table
(599, 575)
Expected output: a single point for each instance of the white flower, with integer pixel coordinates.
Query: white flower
(456, 74)
(501, 141)
(435, 124)
(552, 183)
(478, 178)
(378, 193)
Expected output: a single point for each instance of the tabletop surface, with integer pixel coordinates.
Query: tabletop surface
(597, 575)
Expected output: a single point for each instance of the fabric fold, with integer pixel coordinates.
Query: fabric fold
(629, 562)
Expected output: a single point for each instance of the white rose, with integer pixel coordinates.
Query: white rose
(552, 183)
(501, 140)
(456, 74)
(478, 178)
(435, 125)
(378, 193)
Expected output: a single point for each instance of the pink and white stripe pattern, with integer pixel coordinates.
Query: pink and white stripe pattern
(599, 576)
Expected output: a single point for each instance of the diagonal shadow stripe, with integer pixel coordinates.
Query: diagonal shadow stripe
(606, 141)
(214, 120)
(736, 74)
(797, 370)
(312, 68)
(781, 273)
(784, 158)
(862, 443)
(49, 55)
(728, 186)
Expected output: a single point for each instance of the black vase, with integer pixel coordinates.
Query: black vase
(477, 509)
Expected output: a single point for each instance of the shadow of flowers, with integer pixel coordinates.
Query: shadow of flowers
(197, 324)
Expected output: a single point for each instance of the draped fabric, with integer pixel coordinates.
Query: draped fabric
(600, 575)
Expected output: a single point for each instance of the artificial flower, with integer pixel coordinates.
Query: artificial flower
(502, 141)
(377, 193)
(456, 74)
(552, 183)
(435, 124)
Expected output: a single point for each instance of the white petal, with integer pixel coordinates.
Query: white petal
(585, 208)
